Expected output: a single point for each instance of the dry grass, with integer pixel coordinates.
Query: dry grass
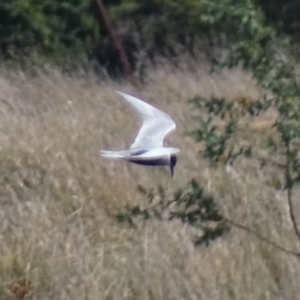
(57, 238)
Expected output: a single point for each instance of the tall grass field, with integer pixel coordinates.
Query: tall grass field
(59, 238)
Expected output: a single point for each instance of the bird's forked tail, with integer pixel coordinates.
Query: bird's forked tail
(112, 154)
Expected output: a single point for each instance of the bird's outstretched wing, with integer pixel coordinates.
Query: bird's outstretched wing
(156, 124)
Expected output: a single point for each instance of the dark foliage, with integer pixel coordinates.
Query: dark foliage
(73, 31)
(191, 206)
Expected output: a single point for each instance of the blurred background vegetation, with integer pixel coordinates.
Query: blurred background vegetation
(73, 32)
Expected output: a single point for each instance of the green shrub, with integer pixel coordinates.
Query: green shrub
(51, 27)
(66, 30)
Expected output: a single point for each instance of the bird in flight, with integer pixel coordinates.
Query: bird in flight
(148, 148)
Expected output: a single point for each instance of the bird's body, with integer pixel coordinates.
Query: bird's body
(148, 148)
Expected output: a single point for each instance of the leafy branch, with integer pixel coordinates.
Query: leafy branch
(193, 207)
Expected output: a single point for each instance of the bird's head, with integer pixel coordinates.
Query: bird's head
(173, 161)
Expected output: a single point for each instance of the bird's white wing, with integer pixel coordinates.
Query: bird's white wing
(156, 153)
(156, 124)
